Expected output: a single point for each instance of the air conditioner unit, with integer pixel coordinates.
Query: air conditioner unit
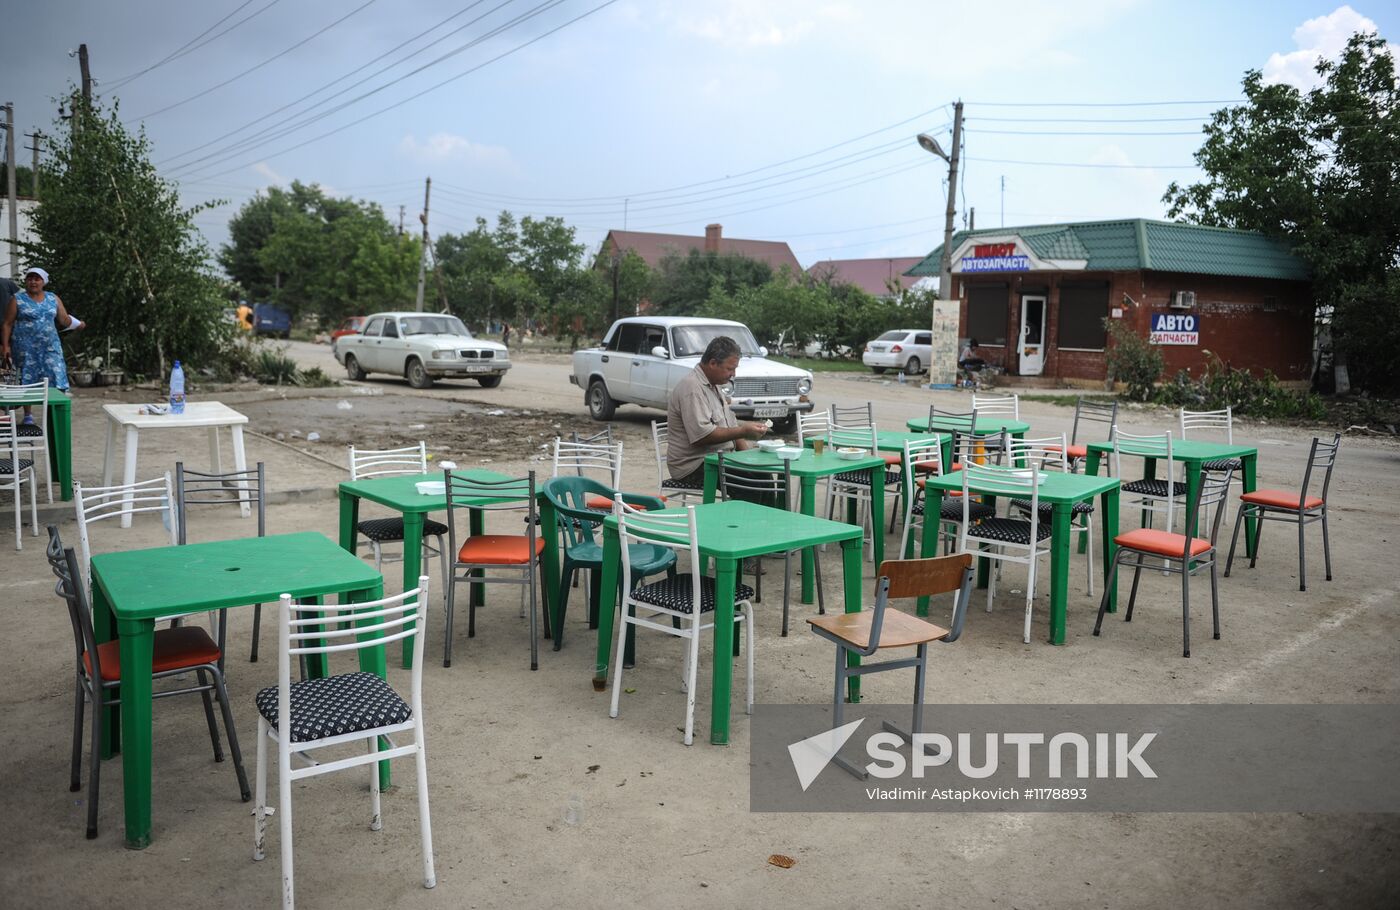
(1183, 300)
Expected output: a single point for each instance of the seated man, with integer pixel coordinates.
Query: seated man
(969, 362)
(698, 418)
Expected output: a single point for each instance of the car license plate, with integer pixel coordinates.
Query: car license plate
(780, 411)
(478, 367)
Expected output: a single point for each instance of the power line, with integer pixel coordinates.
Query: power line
(191, 46)
(425, 91)
(1097, 103)
(236, 149)
(238, 131)
(1089, 119)
(1082, 133)
(1148, 167)
(256, 66)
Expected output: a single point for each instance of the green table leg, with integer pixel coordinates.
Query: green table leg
(1149, 472)
(877, 513)
(1091, 469)
(984, 566)
(317, 665)
(1251, 524)
(136, 639)
(607, 606)
(349, 518)
(808, 503)
(928, 546)
(946, 451)
(412, 568)
(1193, 483)
(1059, 570)
(60, 439)
(1108, 504)
(850, 585)
(711, 480)
(723, 674)
(549, 527)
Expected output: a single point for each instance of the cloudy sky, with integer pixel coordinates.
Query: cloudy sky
(784, 120)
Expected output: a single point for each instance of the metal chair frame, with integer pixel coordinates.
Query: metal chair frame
(1090, 411)
(1322, 455)
(13, 468)
(667, 487)
(34, 438)
(367, 463)
(1013, 483)
(998, 405)
(1051, 454)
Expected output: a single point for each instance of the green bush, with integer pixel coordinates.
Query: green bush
(274, 368)
(1247, 393)
(1132, 361)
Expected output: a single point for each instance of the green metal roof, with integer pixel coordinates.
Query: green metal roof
(1163, 246)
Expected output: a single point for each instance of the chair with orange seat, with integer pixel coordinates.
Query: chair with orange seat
(1301, 507)
(493, 558)
(1182, 554)
(870, 631)
(176, 652)
(1089, 410)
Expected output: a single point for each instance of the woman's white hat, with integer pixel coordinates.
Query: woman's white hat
(37, 271)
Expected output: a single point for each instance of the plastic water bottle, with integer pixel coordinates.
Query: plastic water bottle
(177, 389)
(573, 810)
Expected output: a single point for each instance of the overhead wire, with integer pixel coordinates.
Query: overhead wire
(256, 66)
(190, 46)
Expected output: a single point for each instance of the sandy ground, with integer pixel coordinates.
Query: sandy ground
(662, 824)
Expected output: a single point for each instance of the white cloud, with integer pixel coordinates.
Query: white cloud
(446, 147)
(1325, 36)
(263, 169)
(748, 23)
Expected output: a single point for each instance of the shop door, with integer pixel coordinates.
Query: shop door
(1031, 349)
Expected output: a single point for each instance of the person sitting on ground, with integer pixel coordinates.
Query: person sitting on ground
(698, 417)
(969, 362)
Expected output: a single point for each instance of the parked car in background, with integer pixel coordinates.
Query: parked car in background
(909, 350)
(643, 357)
(351, 326)
(421, 347)
(271, 320)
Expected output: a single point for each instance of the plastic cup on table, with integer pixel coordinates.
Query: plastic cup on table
(818, 446)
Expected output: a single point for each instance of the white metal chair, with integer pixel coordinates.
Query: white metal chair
(1005, 539)
(337, 710)
(923, 458)
(671, 487)
(602, 459)
(367, 463)
(13, 471)
(33, 437)
(1048, 453)
(681, 603)
(997, 405)
(494, 558)
(854, 486)
(1220, 422)
(812, 426)
(1151, 494)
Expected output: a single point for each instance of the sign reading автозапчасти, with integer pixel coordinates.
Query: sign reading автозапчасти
(1175, 328)
(995, 257)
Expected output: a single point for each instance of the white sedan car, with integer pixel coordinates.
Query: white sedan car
(900, 349)
(421, 347)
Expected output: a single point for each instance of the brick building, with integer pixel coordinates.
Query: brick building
(1035, 297)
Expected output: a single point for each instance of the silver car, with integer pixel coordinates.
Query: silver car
(421, 347)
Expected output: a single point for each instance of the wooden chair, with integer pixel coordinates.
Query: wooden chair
(673, 606)
(870, 631)
(349, 708)
(175, 652)
(1302, 507)
(1183, 554)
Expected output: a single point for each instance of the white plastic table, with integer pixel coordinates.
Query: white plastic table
(209, 414)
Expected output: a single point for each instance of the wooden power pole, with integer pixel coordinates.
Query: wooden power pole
(10, 187)
(87, 74)
(423, 253)
(37, 137)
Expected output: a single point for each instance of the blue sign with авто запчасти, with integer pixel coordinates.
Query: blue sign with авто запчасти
(995, 257)
(1175, 328)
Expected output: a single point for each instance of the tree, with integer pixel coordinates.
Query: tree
(313, 254)
(1319, 172)
(122, 253)
(683, 283)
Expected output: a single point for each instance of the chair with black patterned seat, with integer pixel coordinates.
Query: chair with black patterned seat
(366, 463)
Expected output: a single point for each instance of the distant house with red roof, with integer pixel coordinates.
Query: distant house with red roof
(655, 247)
(873, 276)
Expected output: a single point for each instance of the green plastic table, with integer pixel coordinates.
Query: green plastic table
(130, 589)
(400, 493)
(729, 532)
(807, 468)
(992, 424)
(1062, 491)
(59, 423)
(1194, 452)
(894, 440)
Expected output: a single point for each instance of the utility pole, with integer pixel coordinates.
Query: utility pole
(1003, 201)
(972, 218)
(400, 221)
(87, 74)
(945, 266)
(10, 186)
(423, 254)
(36, 136)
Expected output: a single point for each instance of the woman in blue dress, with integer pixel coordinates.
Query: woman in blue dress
(28, 333)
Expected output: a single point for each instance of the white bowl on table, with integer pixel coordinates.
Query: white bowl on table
(432, 487)
(850, 454)
(788, 453)
(771, 445)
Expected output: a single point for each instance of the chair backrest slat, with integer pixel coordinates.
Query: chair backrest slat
(94, 504)
(1323, 456)
(366, 463)
(998, 405)
(1157, 447)
(862, 415)
(66, 568)
(853, 437)
(674, 530)
(1088, 410)
(197, 488)
(1046, 452)
(813, 425)
(577, 457)
(903, 578)
(1220, 421)
(772, 480)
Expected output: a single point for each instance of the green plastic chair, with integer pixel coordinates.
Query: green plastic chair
(576, 522)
